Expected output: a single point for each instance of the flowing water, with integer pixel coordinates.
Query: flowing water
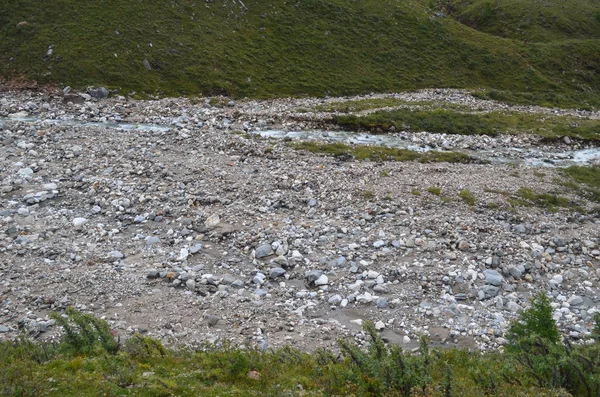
(526, 156)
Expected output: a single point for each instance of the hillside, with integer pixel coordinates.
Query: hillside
(279, 48)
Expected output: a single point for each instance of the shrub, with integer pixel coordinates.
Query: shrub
(382, 369)
(85, 333)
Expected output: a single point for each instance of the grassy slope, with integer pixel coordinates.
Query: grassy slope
(277, 48)
(530, 20)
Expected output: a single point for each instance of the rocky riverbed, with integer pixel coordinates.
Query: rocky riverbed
(172, 218)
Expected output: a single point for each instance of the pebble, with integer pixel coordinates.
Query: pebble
(78, 222)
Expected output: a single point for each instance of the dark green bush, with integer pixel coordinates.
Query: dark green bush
(85, 333)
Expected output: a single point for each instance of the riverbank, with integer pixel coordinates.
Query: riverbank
(182, 224)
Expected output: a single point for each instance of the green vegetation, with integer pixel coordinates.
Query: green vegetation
(589, 177)
(379, 153)
(415, 192)
(359, 105)
(436, 191)
(578, 100)
(467, 197)
(536, 363)
(534, 342)
(527, 197)
(454, 122)
(529, 20)
(313, 47)
(367, 194)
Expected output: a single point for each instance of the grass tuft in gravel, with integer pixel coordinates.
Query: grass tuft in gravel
(380, 153)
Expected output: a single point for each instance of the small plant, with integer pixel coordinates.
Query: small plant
(415, 192)
(535, 321)
(596, 330)
(539, 174)
(85, 333)
(384, 369)
(467, 197)
(436, 191)
(384, 173)
(367, 194)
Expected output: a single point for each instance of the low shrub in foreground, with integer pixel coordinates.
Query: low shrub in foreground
(86, 361)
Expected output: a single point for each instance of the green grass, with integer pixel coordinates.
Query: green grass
(527, 197)
(379, 153)
(492, 123)
(467, 197)
(530, 20)
(576, 100)
(436, 191)
(589, 177)
(281, 48)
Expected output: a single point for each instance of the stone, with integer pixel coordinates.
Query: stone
(379, 325)
(335, 299)
(575, 300)
(276, 272)
(515, 272)
(211, 320)
(116, 255)
(146, 64)
(190, 284)
(322, 280)
(464, 245)
(151, 240)
(212, 221)
(98, 92)
(195, 248)
(264, 251)
(25, 173)
(520, 229)
(313, 275)
(493, 277)
(382, 303)
(488, 292)
(78, 222)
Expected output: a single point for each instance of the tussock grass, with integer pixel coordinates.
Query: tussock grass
(453, 122)
(379, 153)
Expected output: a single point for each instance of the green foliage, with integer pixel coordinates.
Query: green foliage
(383, 369)
(536, 321)
(143, 348)
(537, 366)
(467, 197)
(596, 330)
(85, 333)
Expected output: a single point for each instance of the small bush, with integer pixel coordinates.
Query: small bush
(535, 321)
(85, 333)
(384, 369)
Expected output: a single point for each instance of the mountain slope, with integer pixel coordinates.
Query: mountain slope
(276, 48)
